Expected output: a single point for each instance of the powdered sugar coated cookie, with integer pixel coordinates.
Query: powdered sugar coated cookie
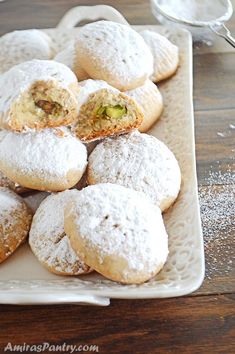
(137, 161)
(51, 160)
(19, 46)
(48, 240)
(88, 87)
(115, 53)
(118, 232)
(37, 94)
(150, 99)
(165, 55)
(68, 56)
(15, 221)
(6, 182)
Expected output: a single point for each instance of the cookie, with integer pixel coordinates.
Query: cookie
(115, 53)
(106, 112)
(15, 221)
(150, 99)
(37, 94)
(49, 160)
(68, 57)
(137, 161)
(6, 182)
(118, 232)
(89, 86)
(48, 240)
(165, 54)
(19, 46)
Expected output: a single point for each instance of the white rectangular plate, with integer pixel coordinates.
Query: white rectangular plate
(24, 281)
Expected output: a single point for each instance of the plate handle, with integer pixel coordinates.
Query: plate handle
(55, 298)
(81, 13)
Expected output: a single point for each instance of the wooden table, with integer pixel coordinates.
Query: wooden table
(199, 323)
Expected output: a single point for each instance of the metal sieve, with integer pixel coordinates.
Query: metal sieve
(195, 15)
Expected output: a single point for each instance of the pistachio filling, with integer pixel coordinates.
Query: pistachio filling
(115, 112)
(52, 108)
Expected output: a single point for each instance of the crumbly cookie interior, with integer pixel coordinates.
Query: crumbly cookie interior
(106, 112)
(43, 105)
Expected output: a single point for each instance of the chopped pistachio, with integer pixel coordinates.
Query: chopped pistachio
(101, 111)
(116, 111)
(112, 111)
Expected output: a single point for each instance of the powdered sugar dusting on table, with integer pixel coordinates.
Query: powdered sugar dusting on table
(217, 201)
(48, 239)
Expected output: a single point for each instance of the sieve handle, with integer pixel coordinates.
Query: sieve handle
(226, 34)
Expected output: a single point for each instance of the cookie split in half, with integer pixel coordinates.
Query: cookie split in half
(38, 94)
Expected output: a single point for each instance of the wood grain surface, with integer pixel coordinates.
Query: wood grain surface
(203, 322)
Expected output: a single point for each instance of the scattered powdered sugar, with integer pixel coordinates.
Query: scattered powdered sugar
(20, 78)
(47, 237)
(137, 161)
(115, 53)
(224, 134)
(119, 222)
(217, 201)
(49, 154)
(228, 132)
